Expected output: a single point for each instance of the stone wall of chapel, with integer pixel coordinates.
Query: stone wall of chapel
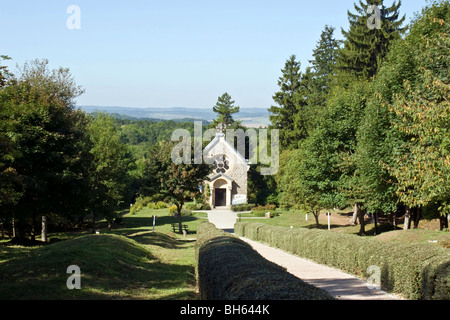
(237, 170)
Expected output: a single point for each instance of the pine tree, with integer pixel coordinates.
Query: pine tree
(225, 109)
(318, 79)
(364, 47)
(287, 115)
(3, 71)
(325, 56)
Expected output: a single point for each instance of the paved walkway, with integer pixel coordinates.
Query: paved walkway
(337, 283)
(224, 219)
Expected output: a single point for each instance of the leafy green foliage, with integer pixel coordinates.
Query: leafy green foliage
(109, 166)
(422, 116)
(176, 183)
(45, 131)
(381, 142)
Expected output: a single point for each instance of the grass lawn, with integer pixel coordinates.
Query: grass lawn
(133, 262)
(426, 233)
(297, 219)
(127, 262)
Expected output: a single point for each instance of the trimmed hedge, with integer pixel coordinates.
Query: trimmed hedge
(229, 269)
(413, 270)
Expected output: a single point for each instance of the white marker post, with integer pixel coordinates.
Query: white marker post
(154, 222)
(329, 225)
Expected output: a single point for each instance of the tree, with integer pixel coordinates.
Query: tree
(108, 168)
(225, 109)
(287, 116)
(9, 178)
(177, 182)
(397, 139)
(422, 164)
(43, 126)
(4, 73)
(324, 68)
(325, 56)
(365, 48)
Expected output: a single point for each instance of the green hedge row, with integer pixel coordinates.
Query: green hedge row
(412, 270)
(229, 269)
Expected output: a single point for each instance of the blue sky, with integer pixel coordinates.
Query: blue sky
(174, 53)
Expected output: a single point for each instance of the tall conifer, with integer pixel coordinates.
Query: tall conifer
(285, 116)
(365, 47)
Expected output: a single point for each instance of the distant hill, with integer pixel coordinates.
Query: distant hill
(248, 116)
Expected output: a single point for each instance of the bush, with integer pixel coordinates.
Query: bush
(157, 205)
(197, 206)
(413, 270)
(229, 269)
(173, 209)
(142, 202)
(267, 207)
(203, 206)
(191, 206)
(242, 207)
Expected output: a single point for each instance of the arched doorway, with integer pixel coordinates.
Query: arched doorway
(221, 193)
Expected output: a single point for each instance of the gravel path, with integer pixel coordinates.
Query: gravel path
(337, 283)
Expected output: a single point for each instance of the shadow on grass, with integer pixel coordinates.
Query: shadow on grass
(111, 268)
(321, 226)
(158, 239)
(137, 222)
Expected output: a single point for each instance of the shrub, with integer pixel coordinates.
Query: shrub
(242, 207)
(191, 206)
(203, 206)
(262, 213)
(267, 207)
(186, 212)
(197, 206)
(173, 209)
(413, 270)
(229, 269)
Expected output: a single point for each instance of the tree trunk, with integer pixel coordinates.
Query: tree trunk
(33, 227)
(361, 214)
(180, 222)
(407, 221)
(417, 216)
(375, 220)
(316, 217)
(394, 220)
(44, 229)
(355, 214)
(93, 223)
(13, 225)
(3, 231)
(443, 222)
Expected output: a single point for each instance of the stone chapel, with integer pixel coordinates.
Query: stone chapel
(228, 181)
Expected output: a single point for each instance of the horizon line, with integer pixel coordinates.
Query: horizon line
(111, 106)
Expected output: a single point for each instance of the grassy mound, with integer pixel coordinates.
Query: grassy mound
(111, 267)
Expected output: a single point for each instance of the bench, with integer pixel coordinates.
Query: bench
(175, 227)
